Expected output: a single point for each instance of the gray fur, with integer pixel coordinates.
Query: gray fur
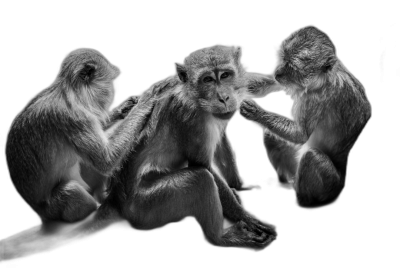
(58, 139)
(330, 110)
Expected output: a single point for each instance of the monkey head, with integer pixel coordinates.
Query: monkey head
(88, 72)
(306, 57)
(212, 77)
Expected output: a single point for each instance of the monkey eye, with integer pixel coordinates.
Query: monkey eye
(208, 79)
(225, 75)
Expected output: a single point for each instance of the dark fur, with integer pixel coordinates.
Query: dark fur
(330, 110)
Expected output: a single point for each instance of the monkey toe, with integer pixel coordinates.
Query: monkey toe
(260, 228)
(255, 241)
(248, 187)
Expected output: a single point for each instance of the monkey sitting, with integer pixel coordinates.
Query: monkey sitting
(330, 110)
(170, 175)
(61, 130)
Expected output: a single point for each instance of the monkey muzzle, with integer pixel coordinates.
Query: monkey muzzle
(224, 116)
(279, 75)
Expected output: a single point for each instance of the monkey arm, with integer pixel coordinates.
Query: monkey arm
(231, 207)
(277, 124)
(259, 85)
(105, 154)
(224, 158)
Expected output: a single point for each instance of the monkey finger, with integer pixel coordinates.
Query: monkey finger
(133, 100)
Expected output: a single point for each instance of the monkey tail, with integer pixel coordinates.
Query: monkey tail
(48, 236)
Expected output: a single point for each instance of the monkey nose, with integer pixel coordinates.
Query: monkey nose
(223, 99)
(278, 74)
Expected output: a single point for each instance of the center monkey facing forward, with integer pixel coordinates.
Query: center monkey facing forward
(175, 174)
(170, 174)
(330, 110)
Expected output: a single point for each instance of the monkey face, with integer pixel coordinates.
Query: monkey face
(212, 77)
(215, 92)
(305, 57)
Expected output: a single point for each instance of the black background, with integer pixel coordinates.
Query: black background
(348, 235)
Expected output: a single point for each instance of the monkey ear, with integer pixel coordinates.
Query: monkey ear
(237, 54)
(182, 73)
(330, 62)
(87, 73)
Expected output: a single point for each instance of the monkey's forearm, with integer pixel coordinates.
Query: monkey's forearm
(224, 158)
(105, 157)
(283, 127)
(260, 85)
(232, 210)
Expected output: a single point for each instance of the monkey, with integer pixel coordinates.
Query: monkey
(170, 173)
(58, 139)
(186, 143)
(330, 110)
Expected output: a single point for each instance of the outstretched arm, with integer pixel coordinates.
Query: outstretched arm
(259, 85)
(277, 124)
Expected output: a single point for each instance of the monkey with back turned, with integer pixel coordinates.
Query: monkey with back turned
(57, 151)
(330, 110)
(171, 174)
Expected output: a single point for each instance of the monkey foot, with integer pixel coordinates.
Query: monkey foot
(259, 227)
(239, 236)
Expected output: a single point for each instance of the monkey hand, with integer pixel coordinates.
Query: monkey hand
(250, 110)
(124, 108)
(127, 105)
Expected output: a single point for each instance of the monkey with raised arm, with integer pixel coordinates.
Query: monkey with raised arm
(170, 175)
(330, 110)
(61, 131)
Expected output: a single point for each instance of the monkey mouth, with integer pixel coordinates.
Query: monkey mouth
(225, 115)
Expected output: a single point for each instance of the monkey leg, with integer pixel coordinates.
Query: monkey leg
(187, 192)
(318, 182)
(68, 202)
(233, 211)
(282, 155)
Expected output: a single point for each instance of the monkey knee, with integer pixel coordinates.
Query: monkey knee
(70, 203)
(76, 211)
(318, 182)
(206, 179)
